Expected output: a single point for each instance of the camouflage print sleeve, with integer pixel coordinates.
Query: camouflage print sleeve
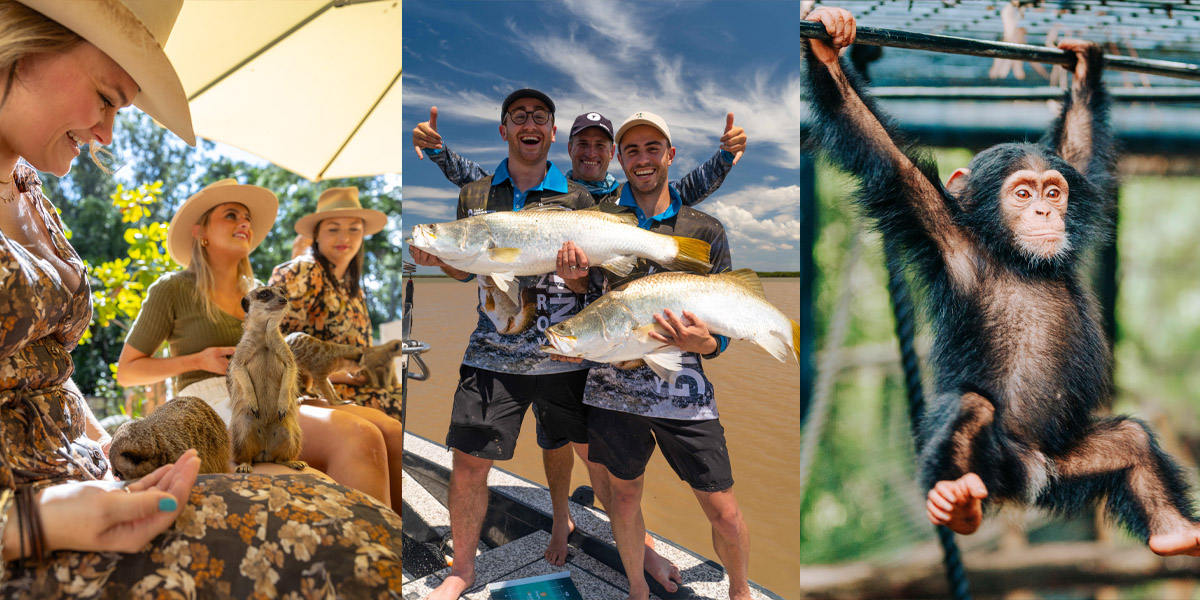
(457, 168)
(703, 180)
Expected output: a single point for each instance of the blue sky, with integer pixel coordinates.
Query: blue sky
(690, 61)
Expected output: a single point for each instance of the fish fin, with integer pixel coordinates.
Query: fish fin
(620, 265)
(748, 279)
(622, 214)
(504, 282)
(692, 255)
(642, 334)
(796, 340)
(774, 344)
(543, 208)
(504, 255)
(666, 362)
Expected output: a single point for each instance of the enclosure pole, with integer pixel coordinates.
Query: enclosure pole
(808, 277)
(875, 36)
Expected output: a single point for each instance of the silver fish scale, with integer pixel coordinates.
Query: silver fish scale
(727, 307)
(541, 234)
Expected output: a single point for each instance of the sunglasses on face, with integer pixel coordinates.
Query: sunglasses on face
(518, 116)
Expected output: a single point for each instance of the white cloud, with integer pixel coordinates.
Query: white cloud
(421, 192)
(744, 227)
(438, 210)
(764, 200)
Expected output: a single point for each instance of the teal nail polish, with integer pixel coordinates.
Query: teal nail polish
(167, 504)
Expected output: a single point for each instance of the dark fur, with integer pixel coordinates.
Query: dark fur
(1020, 359)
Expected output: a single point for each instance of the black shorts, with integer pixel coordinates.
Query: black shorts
(623, 442)
(489, 407)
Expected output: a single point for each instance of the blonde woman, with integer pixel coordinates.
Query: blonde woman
(198, 313)
(65, 70)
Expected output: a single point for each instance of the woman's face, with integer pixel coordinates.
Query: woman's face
(228, 230)
(339, 239)
(60, 101)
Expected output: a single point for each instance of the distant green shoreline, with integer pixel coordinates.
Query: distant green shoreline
(792, 274)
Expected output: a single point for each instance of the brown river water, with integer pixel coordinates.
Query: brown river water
(758, 399)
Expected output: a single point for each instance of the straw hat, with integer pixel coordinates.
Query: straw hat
(132, 33)
(341, 202)
(262, 203)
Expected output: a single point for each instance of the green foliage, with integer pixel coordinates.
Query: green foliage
(117, 224)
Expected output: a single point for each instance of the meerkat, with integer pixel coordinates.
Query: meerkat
(141, 446)
(262, 386)
(316, 359)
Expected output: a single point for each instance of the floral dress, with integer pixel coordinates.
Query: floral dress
(239, 536)
(327, 311)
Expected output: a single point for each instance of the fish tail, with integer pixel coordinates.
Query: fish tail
(692, 255)
(796, 339)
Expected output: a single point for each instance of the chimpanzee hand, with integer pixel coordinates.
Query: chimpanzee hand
(839, 23)
(1081, 49)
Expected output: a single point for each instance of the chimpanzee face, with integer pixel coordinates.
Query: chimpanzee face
(1033, 205)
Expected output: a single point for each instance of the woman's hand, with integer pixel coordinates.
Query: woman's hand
(214, 359)
(98, 517)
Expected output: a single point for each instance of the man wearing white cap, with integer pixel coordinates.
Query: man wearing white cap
(633, 410)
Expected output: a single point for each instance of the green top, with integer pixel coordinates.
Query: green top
(173, 312)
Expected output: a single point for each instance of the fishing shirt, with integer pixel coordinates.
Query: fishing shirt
(693, 188)
(639, 390)
(544, 300)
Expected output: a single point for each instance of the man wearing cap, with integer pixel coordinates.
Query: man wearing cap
(591, 149)
(632, 410)
(502, 374)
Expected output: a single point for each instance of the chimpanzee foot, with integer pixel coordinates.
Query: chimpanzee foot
(957, 504)
(1185, 540)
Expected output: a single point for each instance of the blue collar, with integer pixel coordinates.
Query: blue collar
(643, 221)
(554, 181)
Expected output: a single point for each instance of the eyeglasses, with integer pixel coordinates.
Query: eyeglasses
(518, 116)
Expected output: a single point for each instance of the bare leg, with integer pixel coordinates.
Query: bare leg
(393, 439)
(662, 570)
(350, 449)
(1151, 498)
(629, 531)
(558, 464)
(956, 498)
(731, 538)
(957, 504)
(468, 506)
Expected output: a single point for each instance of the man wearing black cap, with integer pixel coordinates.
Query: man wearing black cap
(590, 157)
(504, 372)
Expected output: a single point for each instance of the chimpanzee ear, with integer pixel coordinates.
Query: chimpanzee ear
(958, 181)
(245, 304)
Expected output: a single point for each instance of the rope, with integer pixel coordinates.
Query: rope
(902, 308)
(810, 434)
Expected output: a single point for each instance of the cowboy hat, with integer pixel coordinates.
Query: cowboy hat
(261, 202)
(341, 202)
(132, 33)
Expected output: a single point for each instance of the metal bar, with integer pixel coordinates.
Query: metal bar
(1169, 94)
(875, 36)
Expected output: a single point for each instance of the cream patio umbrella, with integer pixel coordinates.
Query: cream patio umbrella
(310, 85)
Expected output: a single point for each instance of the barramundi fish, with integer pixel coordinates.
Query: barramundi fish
(508, 244)
(616, 327)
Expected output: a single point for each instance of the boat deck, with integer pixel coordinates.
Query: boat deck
(515, 534)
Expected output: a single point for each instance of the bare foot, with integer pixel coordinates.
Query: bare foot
(452, 587)
(556, 552)
(662, 570)
(957, 504)
(1180, 541)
